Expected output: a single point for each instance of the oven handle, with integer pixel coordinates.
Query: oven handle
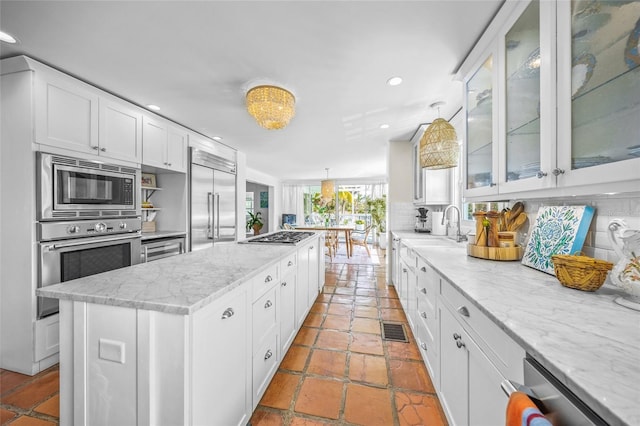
(52, 247)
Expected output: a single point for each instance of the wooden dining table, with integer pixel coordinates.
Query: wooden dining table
(338, 228)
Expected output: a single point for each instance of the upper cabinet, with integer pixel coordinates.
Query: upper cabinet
(73, 115)
(550, 97)
(165, 146)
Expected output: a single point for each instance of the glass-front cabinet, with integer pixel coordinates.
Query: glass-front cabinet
(555, 103)
(599, 89)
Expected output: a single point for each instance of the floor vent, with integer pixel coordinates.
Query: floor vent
(394, 332)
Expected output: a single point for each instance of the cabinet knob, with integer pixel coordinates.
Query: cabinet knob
(423, 314)
(456, 336)
(289, 263)
(460, 344)
(493, 184)
(424, 290)
(540, 174)
(268, 304)
(95, 147)
(268, 355)
(423, 346)
(284, 284)
(404, 269)
(557, 172)
(103, 149)
(423, 269)
(311, 248)
(228, 313)
(268, 279)
(462, 310)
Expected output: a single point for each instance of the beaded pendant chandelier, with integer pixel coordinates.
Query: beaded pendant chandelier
(271, 106)
(439, 145)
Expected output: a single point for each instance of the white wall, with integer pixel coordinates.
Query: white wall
(275, 195)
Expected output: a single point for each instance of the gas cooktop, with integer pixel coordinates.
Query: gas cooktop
(281, 237)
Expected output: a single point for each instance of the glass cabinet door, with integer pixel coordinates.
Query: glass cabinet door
(601, 61)
(522, 95)
(480, 120)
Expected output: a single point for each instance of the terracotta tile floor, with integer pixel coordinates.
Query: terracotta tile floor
(339, 370)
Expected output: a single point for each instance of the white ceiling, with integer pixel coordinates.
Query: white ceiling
(196, 60)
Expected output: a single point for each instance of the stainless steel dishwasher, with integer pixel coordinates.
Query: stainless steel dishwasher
(161, 247)
(559, 405)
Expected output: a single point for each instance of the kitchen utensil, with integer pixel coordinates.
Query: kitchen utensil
(517, 222)
(492, 237)
(517, 208)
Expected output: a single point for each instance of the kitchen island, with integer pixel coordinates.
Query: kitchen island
(585, 340)
(176, 340)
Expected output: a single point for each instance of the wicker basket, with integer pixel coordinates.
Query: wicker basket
(579, 271)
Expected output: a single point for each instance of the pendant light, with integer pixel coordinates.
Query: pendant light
(439, 147)
(327, 188)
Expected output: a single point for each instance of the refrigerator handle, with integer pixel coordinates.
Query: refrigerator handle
(209, 212)
(217, 218)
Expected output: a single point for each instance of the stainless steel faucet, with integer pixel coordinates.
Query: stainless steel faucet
(458, 237)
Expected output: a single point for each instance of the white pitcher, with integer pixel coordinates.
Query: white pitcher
(626, 243)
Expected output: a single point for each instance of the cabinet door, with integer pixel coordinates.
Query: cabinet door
(481, 162)
(302, 286)
(177, 149)
(454, 369)
(66, 113)
(418, 173)
(221, 385)
(287, 311)
(154, 142)
(120, 134)
(314, 264)
(598, 92)
(487, 401)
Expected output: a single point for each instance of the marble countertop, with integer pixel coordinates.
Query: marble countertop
(177, 284)
(587, 341)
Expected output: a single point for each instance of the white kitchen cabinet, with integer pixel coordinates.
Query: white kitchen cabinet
(66, 112)
(288, 285)
(427, 321)
(545, 86)
(164, 146)
(120, 130)
(430, 187)
(265, 354)
(314, 266)
(307, 287)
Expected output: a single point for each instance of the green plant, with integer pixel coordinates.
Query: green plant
(254, 220)
(359, 222)
(378, 210)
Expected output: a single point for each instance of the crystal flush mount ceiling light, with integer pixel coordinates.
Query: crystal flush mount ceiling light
(271, 106)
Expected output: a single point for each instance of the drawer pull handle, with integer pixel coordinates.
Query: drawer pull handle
(95, 147)
(268, 279)
(456, 336)
(103, 149)
(228, 313)
(423, 346)
(290, 263)
(404, 270)
(284, 284)
(423, 314)
(462, 310)
(460, 344)
(268, 355)
(311, 248)
(423, 269)
(424, 290)
(268, 304)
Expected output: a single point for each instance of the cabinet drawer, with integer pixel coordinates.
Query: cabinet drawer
(428, 346)
(264, 315)
(288, 264)
(408, 256)
(265, 364)
(265, 280)
(503, 351)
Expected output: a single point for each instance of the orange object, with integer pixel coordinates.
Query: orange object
(518, 403)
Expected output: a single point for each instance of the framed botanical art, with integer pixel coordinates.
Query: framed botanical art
(557, 230)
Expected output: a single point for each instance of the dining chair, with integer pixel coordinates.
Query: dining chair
(330, 243)
(359, 238)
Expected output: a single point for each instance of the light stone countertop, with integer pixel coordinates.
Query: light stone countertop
(178, 284)
(587, 341)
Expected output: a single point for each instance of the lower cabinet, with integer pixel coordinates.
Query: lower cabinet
(308, 286)
(288, 287)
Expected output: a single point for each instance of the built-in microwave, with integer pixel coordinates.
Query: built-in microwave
(72, 188)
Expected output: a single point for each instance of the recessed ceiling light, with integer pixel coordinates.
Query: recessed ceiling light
(217, 138)
(153, 107)
(384, 126)
(7, 38)
(394, 81)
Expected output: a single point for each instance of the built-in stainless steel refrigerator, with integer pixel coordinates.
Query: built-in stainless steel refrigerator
(212, 199)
